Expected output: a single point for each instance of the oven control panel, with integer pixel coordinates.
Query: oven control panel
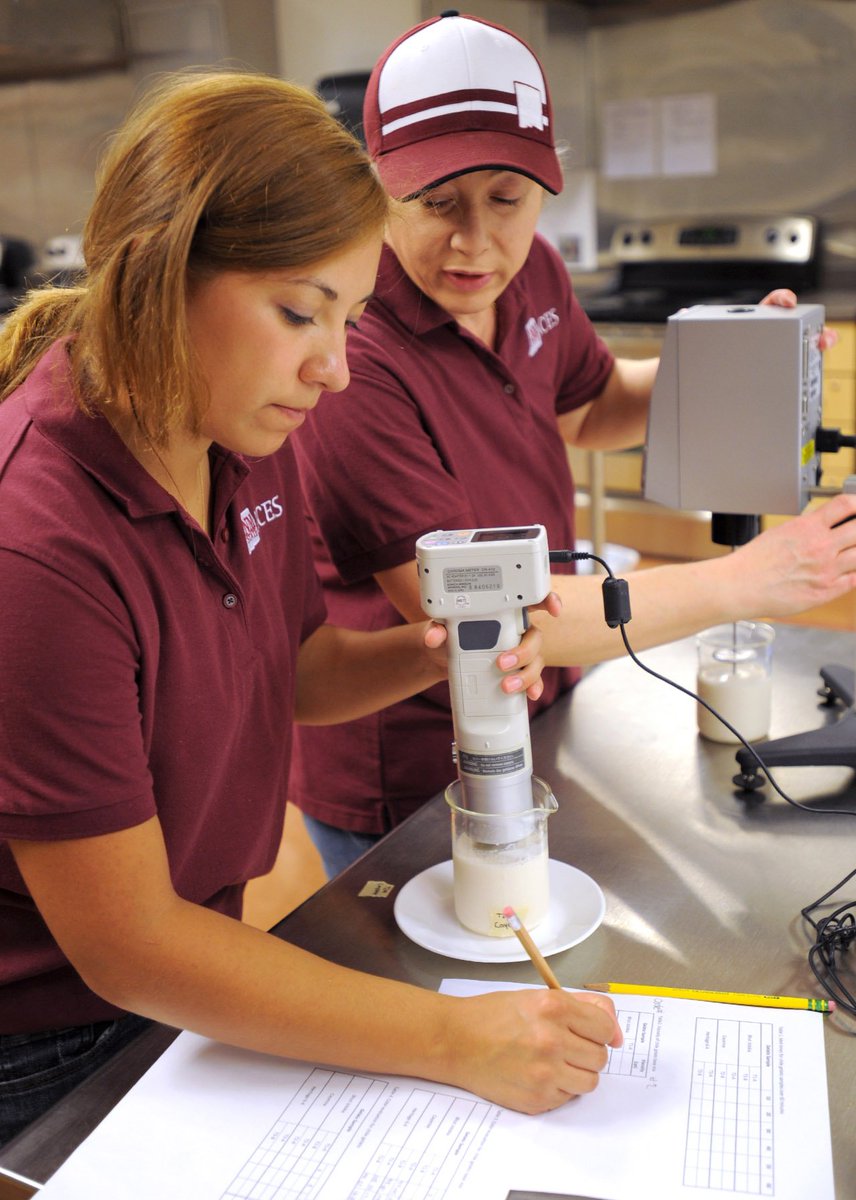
(757, 239)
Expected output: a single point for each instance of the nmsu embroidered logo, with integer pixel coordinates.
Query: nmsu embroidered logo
(536, 327)
(251, 529)
(253, 520)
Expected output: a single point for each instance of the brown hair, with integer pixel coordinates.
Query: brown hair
(211, 172)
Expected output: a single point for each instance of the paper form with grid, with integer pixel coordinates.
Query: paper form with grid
(702, 1100)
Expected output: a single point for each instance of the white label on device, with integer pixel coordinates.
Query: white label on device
(472, 579)
(492, 764)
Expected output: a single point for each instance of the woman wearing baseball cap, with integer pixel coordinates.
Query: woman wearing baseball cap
(471, 369)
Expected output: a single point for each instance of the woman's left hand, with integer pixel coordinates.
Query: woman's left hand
(521, 666)
(785, 298)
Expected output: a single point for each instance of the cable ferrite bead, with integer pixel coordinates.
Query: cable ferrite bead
(616, 602)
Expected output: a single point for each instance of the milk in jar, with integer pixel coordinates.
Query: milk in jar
(743, 694)
(485, 883)
(500, 860)
(734, 677)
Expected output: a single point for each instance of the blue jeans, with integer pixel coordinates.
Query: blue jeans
(338, 847)
(38, 1069)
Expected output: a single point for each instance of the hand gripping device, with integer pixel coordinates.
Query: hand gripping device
(478, 583)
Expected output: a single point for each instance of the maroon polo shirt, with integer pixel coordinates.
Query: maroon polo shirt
(435, 431)
(146, 669)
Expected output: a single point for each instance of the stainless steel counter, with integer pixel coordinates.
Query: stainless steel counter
(703, 889)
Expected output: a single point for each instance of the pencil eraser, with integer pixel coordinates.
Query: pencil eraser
(508, 911)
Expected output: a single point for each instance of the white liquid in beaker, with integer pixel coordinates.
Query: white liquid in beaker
(486, 883)
(742, 692)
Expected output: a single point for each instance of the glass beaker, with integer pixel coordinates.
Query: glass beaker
(501, 860)
(735, 665)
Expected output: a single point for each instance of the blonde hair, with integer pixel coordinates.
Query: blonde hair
(211, 172)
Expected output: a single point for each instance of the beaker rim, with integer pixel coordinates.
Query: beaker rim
(743, 633)
(549, 804)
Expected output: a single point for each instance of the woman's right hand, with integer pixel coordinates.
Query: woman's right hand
(532, 1050)
(804, 562)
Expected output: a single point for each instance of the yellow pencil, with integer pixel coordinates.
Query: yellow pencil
(641, 989)
(525, 938)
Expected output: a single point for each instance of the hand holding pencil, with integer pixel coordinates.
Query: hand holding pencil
(539, 1046)
(545, 970)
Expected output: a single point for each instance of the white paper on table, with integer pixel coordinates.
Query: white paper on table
(211, 1122)
(703, 1099)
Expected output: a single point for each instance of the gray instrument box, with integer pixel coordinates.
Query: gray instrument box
(735, 409)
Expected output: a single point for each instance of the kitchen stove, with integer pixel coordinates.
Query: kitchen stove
(662, 266)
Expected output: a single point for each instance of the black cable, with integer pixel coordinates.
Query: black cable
(617, 612)
(830, 441)
(834, 933)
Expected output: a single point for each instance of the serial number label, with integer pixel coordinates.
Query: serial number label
(472, 579)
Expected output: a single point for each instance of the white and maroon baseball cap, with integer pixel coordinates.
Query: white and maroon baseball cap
(458, 94)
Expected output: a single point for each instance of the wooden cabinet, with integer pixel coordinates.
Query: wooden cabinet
(839, 401)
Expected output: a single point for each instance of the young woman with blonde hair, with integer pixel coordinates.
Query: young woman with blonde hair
(163, 624)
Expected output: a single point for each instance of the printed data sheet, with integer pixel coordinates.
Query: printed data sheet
(210, 1122)
(701, 1100)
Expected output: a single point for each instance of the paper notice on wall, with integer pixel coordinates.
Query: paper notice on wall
(629, 139)
(672, 135)
(688, 134)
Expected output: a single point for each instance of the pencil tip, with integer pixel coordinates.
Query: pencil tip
(596, 987)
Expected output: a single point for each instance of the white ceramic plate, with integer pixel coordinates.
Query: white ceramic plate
(424, 910)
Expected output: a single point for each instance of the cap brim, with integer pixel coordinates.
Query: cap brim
(427, 163)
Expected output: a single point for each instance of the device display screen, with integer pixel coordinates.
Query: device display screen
(505, 535)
